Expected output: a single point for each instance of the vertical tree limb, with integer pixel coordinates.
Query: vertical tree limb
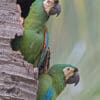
(17, 77)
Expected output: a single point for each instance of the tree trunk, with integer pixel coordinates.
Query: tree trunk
(17, 77)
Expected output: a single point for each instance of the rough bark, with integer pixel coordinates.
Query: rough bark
(17, 77)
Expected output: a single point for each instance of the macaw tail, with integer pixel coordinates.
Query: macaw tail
(45, 47)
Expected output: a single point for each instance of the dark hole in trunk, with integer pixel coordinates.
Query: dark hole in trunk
(25, 6)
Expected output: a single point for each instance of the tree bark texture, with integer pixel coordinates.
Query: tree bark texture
(18, 79)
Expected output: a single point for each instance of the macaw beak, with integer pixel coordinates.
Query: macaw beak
(55, 10)
(74, 79)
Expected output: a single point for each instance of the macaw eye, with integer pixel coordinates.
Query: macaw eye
(68, 69)
(56, 1)
(50, 1)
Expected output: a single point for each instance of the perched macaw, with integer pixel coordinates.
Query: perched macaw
(34, 42)
(52, 83)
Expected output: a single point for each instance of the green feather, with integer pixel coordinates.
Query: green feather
(56, 72)
(55, 78)
(31, 43)
(45, 81)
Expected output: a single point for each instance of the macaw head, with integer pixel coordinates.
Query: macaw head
(52, 7)
(71, 75)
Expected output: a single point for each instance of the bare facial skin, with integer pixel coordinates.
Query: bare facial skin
(48, 4)
(71, 75)
(68, 72)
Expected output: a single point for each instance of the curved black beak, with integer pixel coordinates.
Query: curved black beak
(73, 79)
(55, 10)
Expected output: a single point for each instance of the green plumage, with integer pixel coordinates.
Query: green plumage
(54, 78)
(45, 81)
(31, 43)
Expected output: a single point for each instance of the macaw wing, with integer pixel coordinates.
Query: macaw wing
(45, 47)
(48, 95)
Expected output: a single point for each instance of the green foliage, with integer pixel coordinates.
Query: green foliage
(79, 22)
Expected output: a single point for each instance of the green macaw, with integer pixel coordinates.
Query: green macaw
(34, 42)
(54, 81)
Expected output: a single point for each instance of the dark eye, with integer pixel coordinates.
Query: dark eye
(68, 68)
(56, 1)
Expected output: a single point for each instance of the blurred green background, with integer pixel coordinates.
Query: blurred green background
(75, 39)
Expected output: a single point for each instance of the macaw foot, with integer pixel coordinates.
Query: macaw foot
(45, 65)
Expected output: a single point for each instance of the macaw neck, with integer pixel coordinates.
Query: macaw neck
(58, 79)
(37, 16)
